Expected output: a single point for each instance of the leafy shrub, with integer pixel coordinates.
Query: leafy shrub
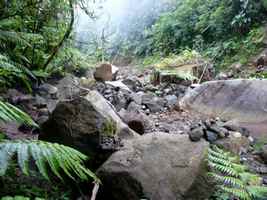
(31, 34)
(236, 49)
(233, 178)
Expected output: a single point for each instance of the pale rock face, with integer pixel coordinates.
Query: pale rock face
(241, 100)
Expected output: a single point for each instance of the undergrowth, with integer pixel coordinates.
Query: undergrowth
(233, 180)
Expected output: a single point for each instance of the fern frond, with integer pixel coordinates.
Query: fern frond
(228, 180)
(221, 161)
(257, 191)
(10, 70)
(219, 154)
(9, 112)
(58, 158)
(233, 177)
(19, 198)
(249, 178)
(224, 169)
(14, 37)
(15, 198)
(237, 192)
(216, 151)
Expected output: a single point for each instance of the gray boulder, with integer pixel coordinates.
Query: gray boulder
(88, 124)
(156, 166)
(68, 87)
(244, 101)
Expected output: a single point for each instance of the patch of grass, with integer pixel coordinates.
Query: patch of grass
(184, 58)
(151, 60)
(109, 128)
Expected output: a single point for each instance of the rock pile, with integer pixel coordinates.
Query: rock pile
(221, 133)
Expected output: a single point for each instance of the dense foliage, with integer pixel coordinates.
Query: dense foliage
(218, 29)
(205, 20)
(31, 36)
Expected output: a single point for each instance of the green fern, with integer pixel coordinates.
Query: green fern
(9, 112)
(19, 198)
(58, 158)
(11, 71)
(232, 177)
(12, 36)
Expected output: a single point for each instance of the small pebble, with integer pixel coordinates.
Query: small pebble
(236, 134)
(251, 139)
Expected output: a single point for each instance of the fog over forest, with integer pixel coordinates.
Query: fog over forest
(116, 20)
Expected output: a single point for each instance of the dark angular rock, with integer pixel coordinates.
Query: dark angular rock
(211, 136)
(85, 123)
(221, 131)
(196, 134)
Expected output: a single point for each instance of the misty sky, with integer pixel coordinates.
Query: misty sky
(118, 17)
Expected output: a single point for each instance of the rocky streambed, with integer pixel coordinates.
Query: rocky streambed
(147, 140)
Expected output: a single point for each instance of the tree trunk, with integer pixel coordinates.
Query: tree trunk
(65, 37)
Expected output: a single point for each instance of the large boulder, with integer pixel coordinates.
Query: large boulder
(88, 124)
(243, 101)
(156, 166)
(105, 72)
